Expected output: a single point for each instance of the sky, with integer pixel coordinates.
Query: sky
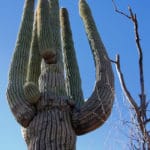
(117, 34)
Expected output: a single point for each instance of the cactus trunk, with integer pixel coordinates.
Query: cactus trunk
(49, 105)
(51, 128)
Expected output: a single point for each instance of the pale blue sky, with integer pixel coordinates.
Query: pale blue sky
(117, 34)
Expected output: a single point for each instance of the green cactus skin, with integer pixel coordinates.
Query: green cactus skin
(34, 64)
(31, 88)
(38, 93)
(44, 31)
(22, 110)
(73, 80)
(98, 107)
(55, 25)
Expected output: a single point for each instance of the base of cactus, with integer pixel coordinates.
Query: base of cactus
(51, 129)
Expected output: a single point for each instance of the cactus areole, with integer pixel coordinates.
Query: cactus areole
(48, 104)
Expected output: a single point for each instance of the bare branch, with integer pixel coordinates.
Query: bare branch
(134, 20)
(147, 121)
(129, 97)
(112, 61)
(121, 78)
(119, 11)
(137, 39)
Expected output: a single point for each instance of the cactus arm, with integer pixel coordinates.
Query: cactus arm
(54, 73)
(21, 109)
(44, 31)
(98, 107)
(31, 87)
(34, 64)
(55, 25)
(73, 80)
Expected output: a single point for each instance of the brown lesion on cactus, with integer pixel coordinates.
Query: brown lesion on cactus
(49, 57)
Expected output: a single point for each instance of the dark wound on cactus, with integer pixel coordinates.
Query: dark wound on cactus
(38, 97)
(73, 80)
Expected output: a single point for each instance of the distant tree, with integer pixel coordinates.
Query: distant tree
(49, 106)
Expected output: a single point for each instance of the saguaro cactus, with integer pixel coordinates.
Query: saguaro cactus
(49, 105)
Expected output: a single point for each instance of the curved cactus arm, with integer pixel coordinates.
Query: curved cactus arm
(21, 109)
(44, 31)
(31, 87)
(98, 107)
(73, 80)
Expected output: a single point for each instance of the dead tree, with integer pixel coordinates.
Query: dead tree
(140, 110)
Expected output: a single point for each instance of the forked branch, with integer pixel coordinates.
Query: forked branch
(134, 20)
(128, 95)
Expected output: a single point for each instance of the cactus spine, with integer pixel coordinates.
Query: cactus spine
(48, 105)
